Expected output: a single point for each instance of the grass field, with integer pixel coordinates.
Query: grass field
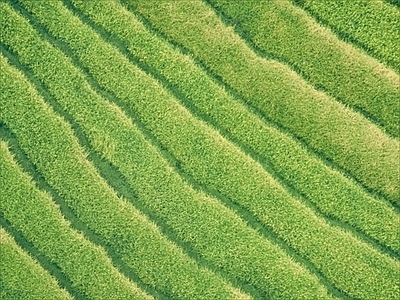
(199, 149)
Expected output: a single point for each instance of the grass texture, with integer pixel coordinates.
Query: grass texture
(224, 225)
(61, 161)
(21, 276)
(238, 123)
(35, 216)
(326, 126)
(171, 156)
(333, 66)
(371, 25)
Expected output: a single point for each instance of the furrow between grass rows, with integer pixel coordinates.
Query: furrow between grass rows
(17, 281)
(249, 132)
(33, 213)
(214, 231)
(22, 277)
(136, 240)
(119, 183)
(370, 25)
(112, 73)
(323, 124)
(268, 122)
(40, 182)
(315, 69)
(229, 18)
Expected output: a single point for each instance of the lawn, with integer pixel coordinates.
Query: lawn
(199, 149)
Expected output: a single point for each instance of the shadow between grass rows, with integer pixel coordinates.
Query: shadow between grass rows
(52, 268)
(348, 38)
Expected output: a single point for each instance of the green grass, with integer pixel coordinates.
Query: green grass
(131, 236)
(334, 131)
(239, 124)
(394, 2)
(37, 218)
(21, 276)
(155, 152)
(371, 25)
(113, 136)
(343, 72)
(215, 163)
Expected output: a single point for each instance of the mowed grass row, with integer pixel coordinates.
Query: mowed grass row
(372, 25)
(219, 165)
(39, 220)
(344, 72)
(50, 144)
(212, 230)
(333, 193)
(21, 276)
(329, 128)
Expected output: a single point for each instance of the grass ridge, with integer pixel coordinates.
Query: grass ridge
(160, 146)
(174, 163)
(114, 177)
(22, 275)
(169, 296)
(28, 247)
(333, 221)
(68, 38)
(104, 166)
(177, 19)
(237, 95)
(348, 38)
(101, 164)
(228, 21)
(29, 168)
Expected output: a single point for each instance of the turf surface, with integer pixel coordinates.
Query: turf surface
(192, 150)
